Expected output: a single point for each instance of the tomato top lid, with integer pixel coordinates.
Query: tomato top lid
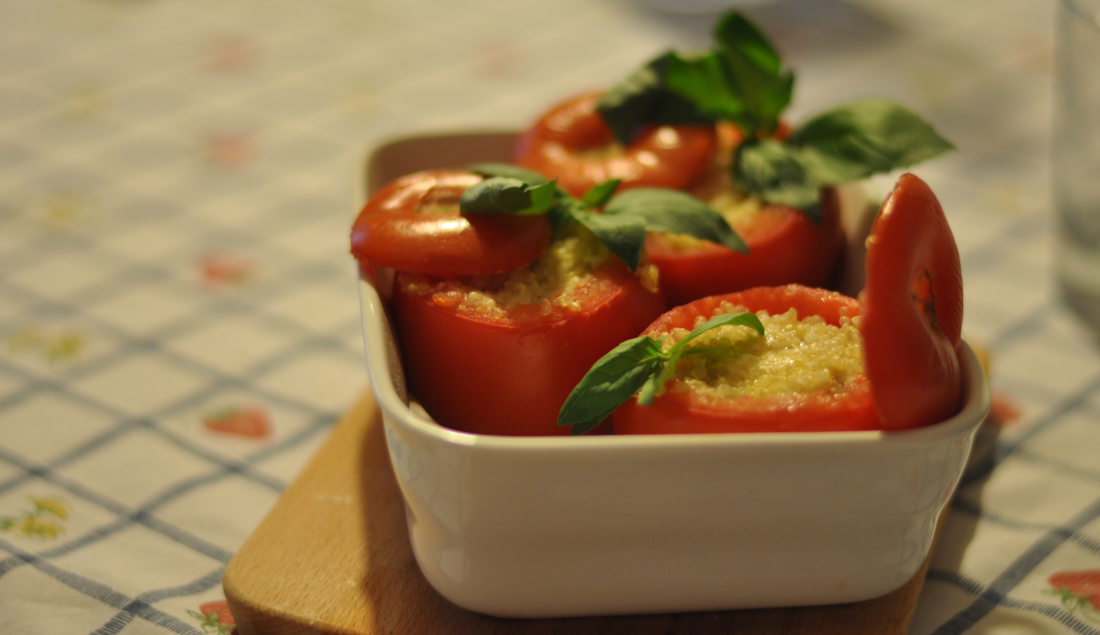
(913, 309)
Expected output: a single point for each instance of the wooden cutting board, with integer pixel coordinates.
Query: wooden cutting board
(333, 556)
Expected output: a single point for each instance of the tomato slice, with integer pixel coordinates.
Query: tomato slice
(676, 412)
(413, 224)
(913, 309)
(785, 247)
(572, 143)
(510, 375)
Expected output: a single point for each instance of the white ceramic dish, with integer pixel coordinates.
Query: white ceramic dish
(546, 527)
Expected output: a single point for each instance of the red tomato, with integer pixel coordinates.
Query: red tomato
(413, 224)
(572, 143)
(675, 412)
(511, 375)
(913, 309)
(785, 247)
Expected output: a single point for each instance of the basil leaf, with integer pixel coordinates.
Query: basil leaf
(562, 214)
(627, 105)
(490, 169)
(623, 235)
(643, 98)
(543, 198)
(743, 319)
(776, 173)
(505, 195)
(654, 383)
(601, 193)
(865, 137)
(612, 380)
(704, 81)
(734, 32)
(675, 212)
(740, 80)
(755, 73)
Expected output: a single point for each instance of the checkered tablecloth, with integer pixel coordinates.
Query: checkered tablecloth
(178, 313)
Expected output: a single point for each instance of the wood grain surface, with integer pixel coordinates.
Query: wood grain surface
(333, 556)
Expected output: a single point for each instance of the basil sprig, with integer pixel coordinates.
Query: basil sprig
(742, 80)
(864, 137)
(621, 226)
(637, 366)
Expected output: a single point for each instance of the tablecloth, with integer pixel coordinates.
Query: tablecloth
(179, 323)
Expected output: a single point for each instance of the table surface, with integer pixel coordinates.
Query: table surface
(179, 322)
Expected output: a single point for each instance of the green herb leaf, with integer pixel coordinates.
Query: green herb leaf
(743, 319)
(776, 173)
(755, 73)
(490, 169)
(865, 137)
(636, 366)
(623, 235)
(675, 212)
(563, 214)
(506, 195)
(643, 98)
(543, 198)
(601, 193)
(628, 104)
(740, 80)
(704, 81)
(610, 382)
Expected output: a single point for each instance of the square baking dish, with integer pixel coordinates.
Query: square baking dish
(600, 525)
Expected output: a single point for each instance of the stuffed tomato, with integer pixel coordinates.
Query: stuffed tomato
(804, 374)
(793, 358)
(498, 316)
(572, 143)
(499, 354)
(785, 245)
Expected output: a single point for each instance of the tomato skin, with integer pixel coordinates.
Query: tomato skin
(572, 143)
(675, 412)
(510, 376)
(785, 247)
(392, 232)
(911, 349)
